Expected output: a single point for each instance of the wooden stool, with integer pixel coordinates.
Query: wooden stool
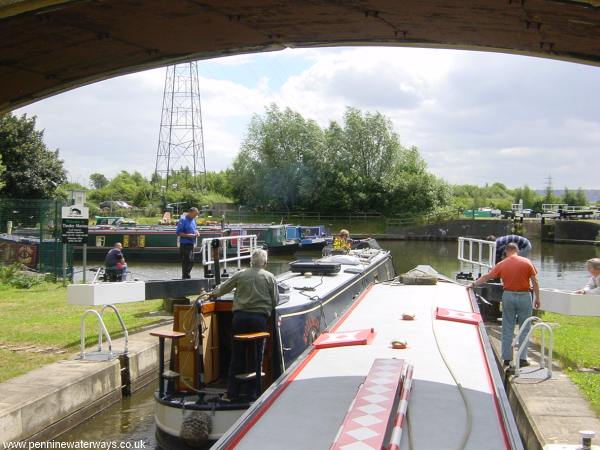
(162, 376)
(255, 338)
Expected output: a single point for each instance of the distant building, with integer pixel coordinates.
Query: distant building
(77, 196)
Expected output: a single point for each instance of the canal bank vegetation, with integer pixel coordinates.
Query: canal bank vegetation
(28, 169)
(497, 195)
(39, 327)
(15, 275)
(356, 165)
(286, 163)
(289, 163)
(576, 344)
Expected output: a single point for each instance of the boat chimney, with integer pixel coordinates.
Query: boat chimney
(586, 439)
(215, 246)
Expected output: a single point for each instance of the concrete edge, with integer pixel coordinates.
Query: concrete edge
(76, 418)
(60, 407)
(550, 427)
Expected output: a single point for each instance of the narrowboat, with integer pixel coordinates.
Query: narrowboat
(409, 365)
(41, 255)
(191, 411)
(309, 238)
(271, 237)
(140, 242)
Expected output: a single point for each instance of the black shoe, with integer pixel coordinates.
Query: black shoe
(523, 363)
(506, 362)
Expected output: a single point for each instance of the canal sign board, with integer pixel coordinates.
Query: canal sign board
(75, 224)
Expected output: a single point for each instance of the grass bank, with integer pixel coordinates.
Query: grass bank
(576, 346)
(39, 327)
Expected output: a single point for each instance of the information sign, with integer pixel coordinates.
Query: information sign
(75, 224)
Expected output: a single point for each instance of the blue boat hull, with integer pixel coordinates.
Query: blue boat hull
(297, 328)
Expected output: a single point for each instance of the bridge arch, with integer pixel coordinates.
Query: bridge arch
(49, 46)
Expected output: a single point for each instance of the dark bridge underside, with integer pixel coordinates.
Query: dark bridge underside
(48, 46)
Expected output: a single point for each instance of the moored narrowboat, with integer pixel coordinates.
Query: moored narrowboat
(140, 242)
(309, 238)
(271, 237)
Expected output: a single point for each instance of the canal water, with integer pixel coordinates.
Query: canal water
(560, 266)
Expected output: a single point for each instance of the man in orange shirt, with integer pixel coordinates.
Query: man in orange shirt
(518, 275)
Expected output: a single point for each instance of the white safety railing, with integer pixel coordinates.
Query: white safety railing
(478, 252)
(545, 358)
(553, 207)
(103, 331)
(239, 247)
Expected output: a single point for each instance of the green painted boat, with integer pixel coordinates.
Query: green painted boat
(271, 237)
(142, 243)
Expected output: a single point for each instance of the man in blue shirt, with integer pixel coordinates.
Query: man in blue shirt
(523, 243)
(187, 234)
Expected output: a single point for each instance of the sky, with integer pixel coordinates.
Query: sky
(475, 117)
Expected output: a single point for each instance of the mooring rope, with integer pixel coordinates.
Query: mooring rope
(469, 414)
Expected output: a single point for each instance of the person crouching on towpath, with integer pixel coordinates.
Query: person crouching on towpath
(592, 286)
(518, 275)
(115, 261)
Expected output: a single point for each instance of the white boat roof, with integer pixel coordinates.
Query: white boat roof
(326, 284)
(311, 402)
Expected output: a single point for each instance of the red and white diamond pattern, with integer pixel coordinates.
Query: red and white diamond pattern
(365, 424)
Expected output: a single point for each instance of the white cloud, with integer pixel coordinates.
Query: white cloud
(475, 117)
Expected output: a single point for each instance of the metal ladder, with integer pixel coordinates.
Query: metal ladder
(99, 354)
(545, 365)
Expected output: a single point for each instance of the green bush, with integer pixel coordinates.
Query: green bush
(8, 273)
(14, 276)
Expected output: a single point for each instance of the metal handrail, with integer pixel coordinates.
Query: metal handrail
(480, 259)
(545, 360)
(242, 251)
(99, 271)
(102, 330)
(553, 207)
(125, 332)
(97, 274)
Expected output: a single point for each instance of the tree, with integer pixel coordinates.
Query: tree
(32, 170)
(529, 197)
(580, 198)
(574, 198)
(569, 197)
(64, 190)
(130, 187)
(271, 167)
(287, 161)
(98, 180)
(2, 170)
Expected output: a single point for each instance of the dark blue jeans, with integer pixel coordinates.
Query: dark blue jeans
(186, 252)
(243, 322)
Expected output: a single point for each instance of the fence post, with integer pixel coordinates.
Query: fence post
(42, 247)
(64, 264)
